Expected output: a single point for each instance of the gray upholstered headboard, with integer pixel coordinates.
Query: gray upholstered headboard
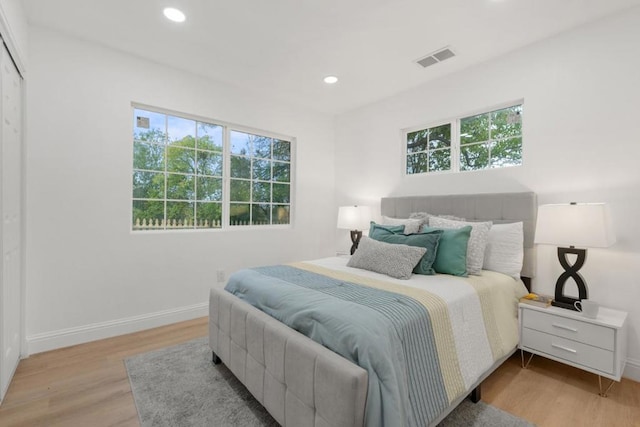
(496, 207)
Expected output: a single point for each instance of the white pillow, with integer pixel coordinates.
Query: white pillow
(411, 226)
(505, 249)
(477, 241)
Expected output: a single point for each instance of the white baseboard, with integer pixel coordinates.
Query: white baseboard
(97, 331)
(632, 369)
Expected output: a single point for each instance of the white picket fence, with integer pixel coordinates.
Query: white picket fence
(161, 224)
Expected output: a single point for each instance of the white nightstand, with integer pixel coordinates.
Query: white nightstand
(595, 345)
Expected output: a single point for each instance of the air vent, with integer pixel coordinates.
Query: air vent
(435, 57)
(429, 60)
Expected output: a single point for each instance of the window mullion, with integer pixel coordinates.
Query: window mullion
(195, 179)
(251, 161)
(166, 174)
(455, 145)
(226, 176)
(271, 159)
(489, 143)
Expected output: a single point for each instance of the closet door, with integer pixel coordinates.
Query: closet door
(11, 215)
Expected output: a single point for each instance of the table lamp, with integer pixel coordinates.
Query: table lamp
(572, 227)
(356, 219)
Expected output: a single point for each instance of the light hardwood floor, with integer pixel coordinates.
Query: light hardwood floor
(87, 385)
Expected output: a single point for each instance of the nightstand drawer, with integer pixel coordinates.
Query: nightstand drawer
(576, 330)
(575, 352)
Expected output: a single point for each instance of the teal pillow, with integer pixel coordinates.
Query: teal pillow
(428, 240)
(452, 250)
(383, 230)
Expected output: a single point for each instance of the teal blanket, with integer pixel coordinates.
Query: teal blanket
(388, 334)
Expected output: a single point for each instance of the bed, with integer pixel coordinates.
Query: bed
(301, 382)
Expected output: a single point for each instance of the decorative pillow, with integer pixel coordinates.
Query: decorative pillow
(375, 229)
(429, 241)
(505, 249)
(410, 225)
(451, 257)
(477, 241)
(424, 217)
(386, 258)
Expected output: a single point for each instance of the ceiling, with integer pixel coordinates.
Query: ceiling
(283, 48)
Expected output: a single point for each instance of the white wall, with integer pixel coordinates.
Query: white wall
(88, 275)
(581, 110)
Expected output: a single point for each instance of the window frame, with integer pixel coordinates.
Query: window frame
(227, 128)
(454, 122)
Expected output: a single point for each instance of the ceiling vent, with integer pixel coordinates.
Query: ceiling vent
(435, 57)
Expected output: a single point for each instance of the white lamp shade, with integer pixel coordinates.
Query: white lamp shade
(354, 217)
(583, 225)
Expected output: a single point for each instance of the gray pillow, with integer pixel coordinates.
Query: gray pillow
(428, 240)
(424, 217)
(391, 259)
(410, 225)
(477, 242)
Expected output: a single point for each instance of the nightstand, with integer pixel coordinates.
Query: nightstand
(594, 345)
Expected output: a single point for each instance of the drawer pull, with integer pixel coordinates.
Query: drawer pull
(570, 350)
(566, 328)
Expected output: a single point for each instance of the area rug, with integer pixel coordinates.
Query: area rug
(180, 387)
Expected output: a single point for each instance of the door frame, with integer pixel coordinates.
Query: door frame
(8, 38)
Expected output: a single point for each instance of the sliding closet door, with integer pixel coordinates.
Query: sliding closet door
(11, 216)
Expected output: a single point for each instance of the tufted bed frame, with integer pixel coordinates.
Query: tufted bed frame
(300, 382)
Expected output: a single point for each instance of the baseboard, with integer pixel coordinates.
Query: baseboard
(632, 369)
(96, 331)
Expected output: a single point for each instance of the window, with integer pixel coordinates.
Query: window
(487, 140)
(196, 174)
(429, 150)
(260, 179)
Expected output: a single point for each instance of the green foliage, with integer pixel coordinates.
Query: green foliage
(281, 150)
(492, 139)
(262, 192)
(209, 189)
(148, 156)
(150, 210)
(281, 193)
(261, 170)
(209, 163)
(239, 214)
(240, 190)
(475, 156)
(281, 172)
(209, 212)
(240, 167)
(430, 150)
(260, 214)
(181, 212)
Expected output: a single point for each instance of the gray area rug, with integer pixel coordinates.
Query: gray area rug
(180, 387)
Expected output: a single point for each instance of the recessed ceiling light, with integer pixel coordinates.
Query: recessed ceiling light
(174, 14)
(330, 79)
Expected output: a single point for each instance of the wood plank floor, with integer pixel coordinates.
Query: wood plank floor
(87, 385)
